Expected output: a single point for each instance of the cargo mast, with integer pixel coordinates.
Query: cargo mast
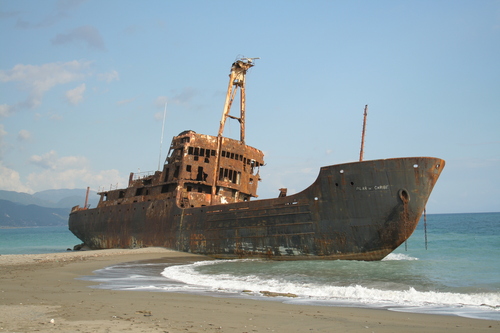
(236, 80)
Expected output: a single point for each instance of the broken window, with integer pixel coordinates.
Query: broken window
(229, 175)
(201, 176)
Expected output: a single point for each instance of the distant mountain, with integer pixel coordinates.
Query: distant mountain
(64, 198)
(23, 198)
(17, 215)
(45, 208)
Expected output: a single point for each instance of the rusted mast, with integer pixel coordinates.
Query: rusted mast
(363, 134)
(86, 198)
(236, 80)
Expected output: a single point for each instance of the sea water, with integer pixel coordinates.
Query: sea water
(36, 240)
(458, 273)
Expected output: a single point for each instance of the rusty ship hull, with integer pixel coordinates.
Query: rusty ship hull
(356, 211)
(202, 201)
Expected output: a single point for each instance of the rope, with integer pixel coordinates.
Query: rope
(425, 227)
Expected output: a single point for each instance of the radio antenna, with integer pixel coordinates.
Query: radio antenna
(162, 130)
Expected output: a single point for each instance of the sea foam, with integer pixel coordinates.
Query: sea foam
(190, 275)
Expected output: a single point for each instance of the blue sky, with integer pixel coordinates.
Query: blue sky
(83, 84)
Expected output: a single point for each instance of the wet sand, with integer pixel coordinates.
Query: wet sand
(42, 293)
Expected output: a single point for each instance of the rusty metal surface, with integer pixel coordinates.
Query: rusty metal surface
(357, 211)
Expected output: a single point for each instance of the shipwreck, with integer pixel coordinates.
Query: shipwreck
(203, 200)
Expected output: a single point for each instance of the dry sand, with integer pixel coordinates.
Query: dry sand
(40, 293)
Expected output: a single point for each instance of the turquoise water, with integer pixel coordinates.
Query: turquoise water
(36, 240)
(458, 273)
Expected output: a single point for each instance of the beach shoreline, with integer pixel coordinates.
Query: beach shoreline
(43, 292)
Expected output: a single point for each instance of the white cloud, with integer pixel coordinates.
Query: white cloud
(5, 110)
(158, 116)
(76, 177)
(2, 144)
(160, 101)
(47, 160)
(23, 135)
(75, 96)
(37, 80)
(59, 172)
(87, 34)
(125, 101)
(51, 161)
(10, 180)
(2, 131)
(108, 77)
(185, 97)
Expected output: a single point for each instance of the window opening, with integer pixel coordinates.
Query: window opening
(201, 176)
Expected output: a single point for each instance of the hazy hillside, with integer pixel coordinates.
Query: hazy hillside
(52, 198)
(45, 208)
(16, 215)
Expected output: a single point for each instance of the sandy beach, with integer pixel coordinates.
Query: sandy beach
(41, 293)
